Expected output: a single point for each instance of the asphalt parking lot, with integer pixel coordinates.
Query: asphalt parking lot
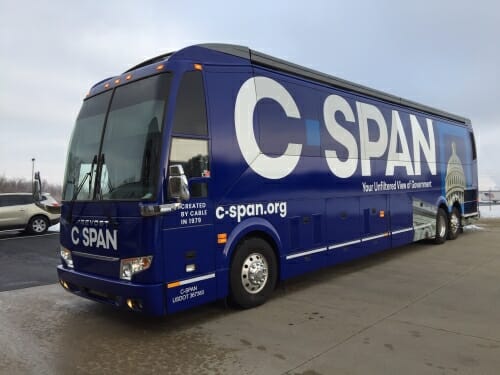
(28, 260)
(419, 309)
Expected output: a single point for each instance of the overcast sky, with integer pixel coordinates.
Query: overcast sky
(441, 53)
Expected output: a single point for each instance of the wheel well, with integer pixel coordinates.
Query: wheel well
(458, 207)
(266, 237)
(443, 206)
(39, 215)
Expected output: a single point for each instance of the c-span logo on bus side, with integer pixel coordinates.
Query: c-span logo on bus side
(362, 151)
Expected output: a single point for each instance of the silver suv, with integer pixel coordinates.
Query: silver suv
(19, 211)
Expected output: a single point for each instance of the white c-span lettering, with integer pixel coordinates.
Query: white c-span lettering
(74, 239)
(332, 105)
(253, 90)
(370, 120)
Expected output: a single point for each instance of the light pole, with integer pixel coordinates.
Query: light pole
(32, 172)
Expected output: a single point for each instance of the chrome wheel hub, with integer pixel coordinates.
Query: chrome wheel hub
(454, 223)
(442, 226)
(254, 273)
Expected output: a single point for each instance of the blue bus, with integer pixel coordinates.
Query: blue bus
(217, 171)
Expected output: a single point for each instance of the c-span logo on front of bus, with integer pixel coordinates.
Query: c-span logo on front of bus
(94, 233)
(375, 137)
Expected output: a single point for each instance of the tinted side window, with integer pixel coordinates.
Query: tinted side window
(192, 154)
(17, 200)
(190, 116)
(2, 202)
(10, 200)
(25, 199)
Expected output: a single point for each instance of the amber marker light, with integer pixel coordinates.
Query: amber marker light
(106, 86)
(117, 81)
(160, 67)
(221, 238)
(198, 67)
(129, 77)
(382, 214)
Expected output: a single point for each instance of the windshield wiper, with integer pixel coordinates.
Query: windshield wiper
(98, 189)
(87, 175)
(79, 188)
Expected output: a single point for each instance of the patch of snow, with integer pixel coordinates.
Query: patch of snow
(473, 228)
(490, 211)
(54, 228)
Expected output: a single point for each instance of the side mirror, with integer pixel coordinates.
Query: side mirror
(37, 188)
(37, 196)
(178, 186)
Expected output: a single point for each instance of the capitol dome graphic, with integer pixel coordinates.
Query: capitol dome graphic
(455, 178)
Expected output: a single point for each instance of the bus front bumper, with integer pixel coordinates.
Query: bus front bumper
(146, 298)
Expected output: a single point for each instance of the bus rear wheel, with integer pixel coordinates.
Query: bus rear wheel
(442, 226)
(253, 273)
(455, 224)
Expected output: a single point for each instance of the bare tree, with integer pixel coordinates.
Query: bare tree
(21, 185)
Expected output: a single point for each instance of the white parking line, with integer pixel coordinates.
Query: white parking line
(26, 237)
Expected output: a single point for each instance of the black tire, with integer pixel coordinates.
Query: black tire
(253, 273)
(38, 225)
(455, 224)
(442, 226)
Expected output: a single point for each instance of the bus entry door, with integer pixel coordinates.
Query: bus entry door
(189, 260)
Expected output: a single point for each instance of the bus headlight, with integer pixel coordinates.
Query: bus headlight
(66, 257)
(130, 266)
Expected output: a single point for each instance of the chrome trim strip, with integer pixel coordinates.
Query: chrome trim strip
(386, 234)
(298, 255)
(331, 247)
(158, 209)
(402, 230)
(336, 246)
(94, 256)
(196, 279)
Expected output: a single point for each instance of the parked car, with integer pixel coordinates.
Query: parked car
(19, 211)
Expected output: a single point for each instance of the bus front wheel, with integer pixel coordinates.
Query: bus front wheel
(442, 226)
(253, 273)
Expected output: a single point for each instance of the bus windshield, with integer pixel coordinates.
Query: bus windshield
(115, 147)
